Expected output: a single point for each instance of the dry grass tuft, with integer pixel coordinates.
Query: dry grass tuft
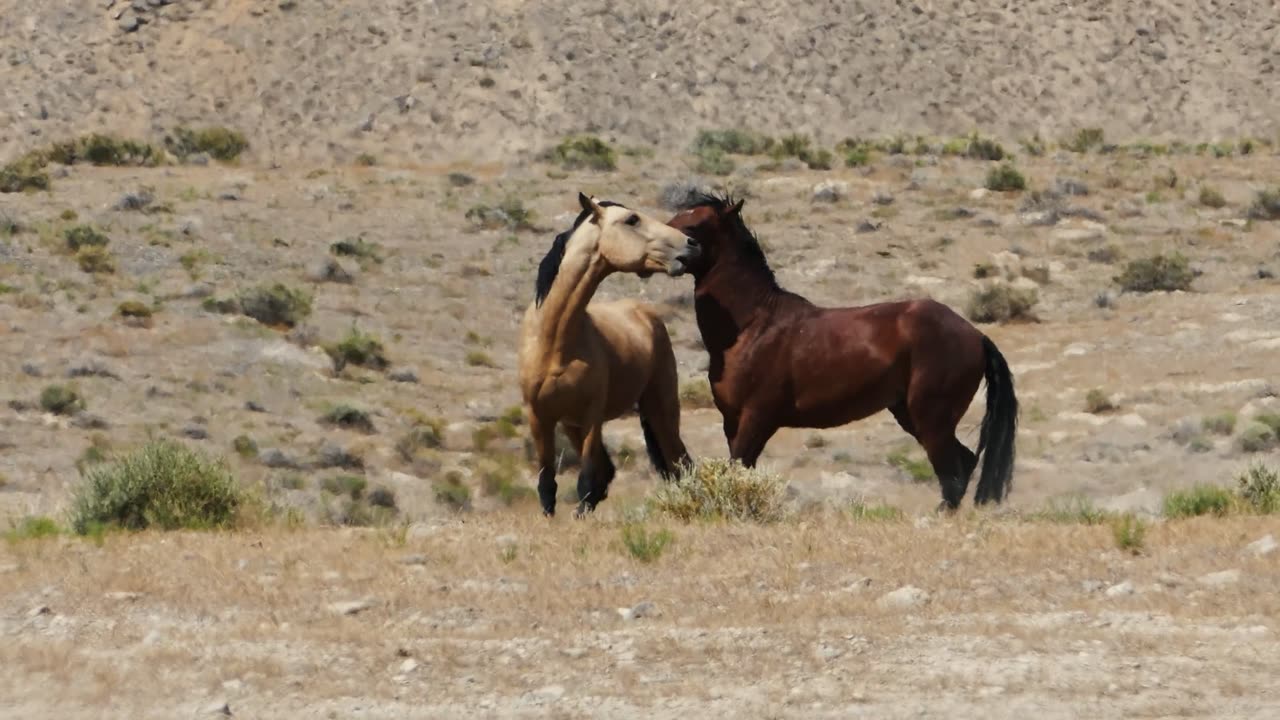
(725, 490)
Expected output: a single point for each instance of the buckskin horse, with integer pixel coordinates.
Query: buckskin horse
(582, 365)
(777, 360)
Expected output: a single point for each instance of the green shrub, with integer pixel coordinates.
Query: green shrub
(163, 485)
(349, 485)
(1096, 401)
(1198, 500)
(1085, 140)
(644, 545)
(713, 161)
(1223, 424)
(1072, 509)
(1129, 532)
(510, 214)
(1005, 178)
(360, 349)
(95, 259)
(480, 358)
(23, 175)
(33, 528)
(245, 446)
(584, 151)
(346, 416)
(1256, 438)
(422, 436)
(501, 479)
(1266, 205)
(82, 236)
(275, 305)
(135, 310)
(451, 491)
(1158, 272)
(918, 469)
(722, 489)
(863, 512)
(100, 149)
(696, 394)
(1002, 303)
(1259, 488)
(1211, 198)
(219, 143)
(979, 148)
(799, 147)
(357, 248)
(61, 400)
(731, 142)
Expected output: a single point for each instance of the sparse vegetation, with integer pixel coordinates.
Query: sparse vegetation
(1130, 533)
(33, 527)
(1223, 424)
(1198, 500)
(800, 147)
(424, 435)
(584, 152)
(351, 418)
(731, 142)
(1005, 178)
(163, 485)
(510, 214)
(696, 394)
(245, 446)
(452, 491)
(1084, 140)
(219, 143)
(724, 490)
(1072, 509)
(1002, 303)
(352, 486)
(1266, 205)
(1158, 272)
(360, 349)
(61, 400)
(1097, 402)
(862, 512)
(1210, 197)
(23, 175)
(644, 545)
(96, 260)
(1256, 437)
(135, 311)
(275, 305)
(500, 478)
(480, 358)
(918, 469)
(357, 248)
(1258, 487)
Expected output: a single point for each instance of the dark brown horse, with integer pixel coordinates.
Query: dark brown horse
(778, 360)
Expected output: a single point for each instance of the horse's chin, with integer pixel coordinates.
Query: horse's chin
(645, 274)
(676, 268)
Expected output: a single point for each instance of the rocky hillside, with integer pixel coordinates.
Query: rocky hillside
(440, 81)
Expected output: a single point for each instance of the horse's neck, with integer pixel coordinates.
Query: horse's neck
(564, 311)
(731, 299)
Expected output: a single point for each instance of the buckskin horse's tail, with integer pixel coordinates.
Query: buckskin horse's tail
(999, 425)
(656, 457)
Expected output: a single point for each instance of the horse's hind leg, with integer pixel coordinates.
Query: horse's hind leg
(659, 409)
(597, 471)
(544, 442)
(952, 462)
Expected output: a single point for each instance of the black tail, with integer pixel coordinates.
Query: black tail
(656, 457)
(999, 425)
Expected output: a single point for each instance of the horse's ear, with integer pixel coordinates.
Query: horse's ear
(590, 206)
(737, 207)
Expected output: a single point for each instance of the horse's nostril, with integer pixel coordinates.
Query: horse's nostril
(693, 243)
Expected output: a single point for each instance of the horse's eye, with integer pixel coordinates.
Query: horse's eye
(633, 220)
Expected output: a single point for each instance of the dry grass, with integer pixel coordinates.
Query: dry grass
(496, 609)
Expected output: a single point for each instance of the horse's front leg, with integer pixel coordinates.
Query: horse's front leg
(747, 436)
(544, 441)
(597, 471)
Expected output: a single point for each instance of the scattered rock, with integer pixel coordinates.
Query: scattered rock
(408, 666)
(882, 198)
(1092, 586)
(135, 200)
(1120, 589)
(403, 375)
(276, 458)
(129, 23)
(38, 611)
(218, 707)
(903, 598)
(195, 431)
(641, 610)
(1220, 579)
(330, 270)
(32, 370)
(252, 406)
(123, 596)
(415, 559)
(351, 607)
(979, 193)
(1263, 546)
(89, 421)
(550, 693)
(830, 191)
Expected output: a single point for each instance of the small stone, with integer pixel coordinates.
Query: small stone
(276, 458)
(550, 693)
(866, 226)
(1120, 589)
(415, 559)
(1092, 586)
(32, 370)
(352, 607)
(979, 194)
(330, 270)
(38, 611)
(642, 610)
(903, 598)
(1220, 579)
(129, 23)
(89, 421)
(122, 596)
(403, 375)
(196, 432)
(882, 198)
(135, 200)
(830, 191)
(1262, 547)
(253, 406)
(408, 666)
(218, 707)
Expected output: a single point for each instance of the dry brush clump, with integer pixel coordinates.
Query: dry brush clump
(1002, 302)
(1166, 272)
(721, 489)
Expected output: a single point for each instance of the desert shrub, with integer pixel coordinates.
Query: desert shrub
(1001, 303)
(1223, 424)
(1256, 438)
(357, 248)
(584, 151)
(1005, 178)
(61, 400)
(918, 469)
(480, 358)
(33, 527)
(731, 142)
(425, 435)
(95, 259)
(644, 545)
(360, 349)
(219, 143)
(275, 305)
(135, 310)
(696, 394)
(1259, 488)
(713, 161)
(510, 213)
(722, 489)
(980, 148)
(859, 510)
(1085, 140)
(500, 478)
(1198, 500)
(82, 236)
(452, 491)
(1266, 205)
(245, 446)
(351, 418)
(22, 175)
(1158, 272)
(1210, 197)
(1096, 401)
(101, 149)
(352, 486)
(1130, 532)
(366, 160)
(800, 147)
(163, 485)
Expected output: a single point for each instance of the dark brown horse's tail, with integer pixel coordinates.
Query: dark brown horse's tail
(660, 463)
(999, 425)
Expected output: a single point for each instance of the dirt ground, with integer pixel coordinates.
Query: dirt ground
(491, 610)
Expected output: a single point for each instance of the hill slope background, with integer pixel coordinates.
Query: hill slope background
(446, 81)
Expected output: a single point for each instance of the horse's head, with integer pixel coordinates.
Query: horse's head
(630, 241)
(716, 224)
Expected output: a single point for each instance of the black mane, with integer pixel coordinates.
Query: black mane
(550, 265)
(748, 244)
